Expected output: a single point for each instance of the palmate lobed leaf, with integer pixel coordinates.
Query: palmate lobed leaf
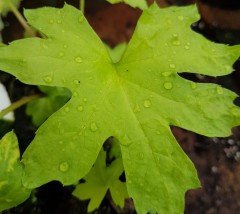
(134, 100)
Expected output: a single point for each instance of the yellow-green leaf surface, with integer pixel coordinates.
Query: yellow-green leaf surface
(135, 100)
(12, 191)
(142, 4)
(99, 180)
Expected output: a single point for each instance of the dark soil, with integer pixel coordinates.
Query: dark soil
(216, 159)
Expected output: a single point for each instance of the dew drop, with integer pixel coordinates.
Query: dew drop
(48, 79)
(93, 127)
(61, 54)
(51, 21)
(65, 46)
(8, 200)
(64, 166)
(235, 112)
(60, 142)
(75, 94)
(141, 155)
(78, 59)
(172, 65)
(147, 104)
(176, 43)
(180, 18)
(168, 85)
(76, 82)
(193, 85)
(219, 90)
(186, 47)
(59, 21)
(44, 45)
(158, 132)
(84, 99)
(228, 68)
(136, 108)
(80, 108)
(81, 19)
(66, 109)
(129, 181)
(175, 35)
(166, 74)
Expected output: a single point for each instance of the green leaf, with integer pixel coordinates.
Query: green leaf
(55, 98)
(12, 191)
(135, 100)
(99, 180)
(142, 4)
(5, 5)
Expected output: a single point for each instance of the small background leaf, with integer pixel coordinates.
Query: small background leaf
(44, 107)
(142, 4)
(12, 191)
(102, 178)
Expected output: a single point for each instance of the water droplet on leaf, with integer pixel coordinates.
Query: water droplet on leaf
(136, 108)
(75, 94)
(61, 54)
(78, 59)
(168, 85)
(166, 73)
(64, 166)
(93, 127)
(176, 43)
(172, 65)
(48, 79)
(59, 21)
(193, 85)
(81, 19)
(147, 104)
(51, 21)
(228, 68)
(76, 82)
(84, 99)
(80, 108)
(180, 18)
(186, 47)
(66, 109)
(219, 90)
(235, 112)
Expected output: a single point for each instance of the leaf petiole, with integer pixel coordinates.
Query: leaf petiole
(18, 104)
(82, 5)
(21, 20)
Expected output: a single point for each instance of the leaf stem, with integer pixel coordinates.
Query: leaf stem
(82, 5)
(18, 104)
(21, 20)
